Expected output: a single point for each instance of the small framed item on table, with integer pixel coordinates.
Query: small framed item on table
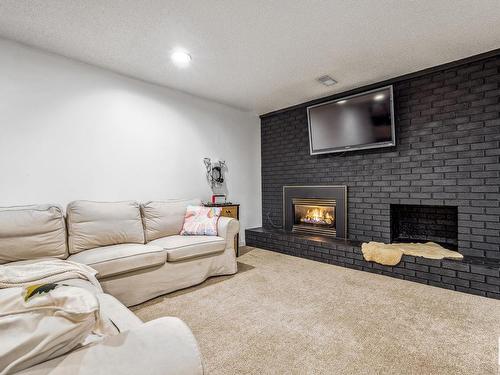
(229, 210)
(218, 199)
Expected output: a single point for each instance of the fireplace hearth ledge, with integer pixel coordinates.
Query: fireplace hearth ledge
(470, 275)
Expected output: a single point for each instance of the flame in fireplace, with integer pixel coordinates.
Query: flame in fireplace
(317, 215)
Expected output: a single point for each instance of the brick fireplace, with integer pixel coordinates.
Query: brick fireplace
(445, 164)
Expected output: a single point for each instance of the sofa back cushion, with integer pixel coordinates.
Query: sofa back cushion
(164, 218)
(96, 224)
(31, 232)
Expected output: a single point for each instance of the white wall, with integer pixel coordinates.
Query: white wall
(73, 131)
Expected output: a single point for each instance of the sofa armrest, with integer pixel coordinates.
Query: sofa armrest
(164, 346)
(227, 228)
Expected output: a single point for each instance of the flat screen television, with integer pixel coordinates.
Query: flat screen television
(353, 122)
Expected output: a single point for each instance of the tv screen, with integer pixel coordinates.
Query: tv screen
(354, 122)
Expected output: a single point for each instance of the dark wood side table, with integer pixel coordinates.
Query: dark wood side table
(229, 210)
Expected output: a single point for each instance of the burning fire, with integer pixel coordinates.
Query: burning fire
(317, 215)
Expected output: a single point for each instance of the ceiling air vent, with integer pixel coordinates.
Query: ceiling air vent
(326, 80)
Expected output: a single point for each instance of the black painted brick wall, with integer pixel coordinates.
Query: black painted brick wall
(447, 153)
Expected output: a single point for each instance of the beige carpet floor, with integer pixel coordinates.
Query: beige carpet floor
(286, 315)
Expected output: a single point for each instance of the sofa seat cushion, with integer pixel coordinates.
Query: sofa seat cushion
(123, 258)
(186, 247)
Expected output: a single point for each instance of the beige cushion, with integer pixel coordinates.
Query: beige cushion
(165, 218)
(187, 247)
(30, 232)
(95, 224)
(117, 259)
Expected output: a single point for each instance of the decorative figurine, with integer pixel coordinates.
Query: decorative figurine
(215, 172)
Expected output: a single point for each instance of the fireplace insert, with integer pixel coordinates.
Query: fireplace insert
(318, 210)
(314, 215)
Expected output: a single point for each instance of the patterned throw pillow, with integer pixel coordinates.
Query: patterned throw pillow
(201, 221)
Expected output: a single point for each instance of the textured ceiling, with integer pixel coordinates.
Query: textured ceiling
(257, 55)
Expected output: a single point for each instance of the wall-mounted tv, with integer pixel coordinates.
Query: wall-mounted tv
(353, 122)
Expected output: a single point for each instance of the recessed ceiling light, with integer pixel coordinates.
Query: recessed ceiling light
(326, 80)
(379, 97)
(180, 58)
(342, 102)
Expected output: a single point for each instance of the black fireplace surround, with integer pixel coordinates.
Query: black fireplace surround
(446, 162)
(337, 194)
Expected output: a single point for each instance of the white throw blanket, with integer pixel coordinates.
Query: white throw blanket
(25, 273)
(36, 327)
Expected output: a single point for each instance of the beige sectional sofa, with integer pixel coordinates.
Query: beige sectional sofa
(139, 254)
(140, 245)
